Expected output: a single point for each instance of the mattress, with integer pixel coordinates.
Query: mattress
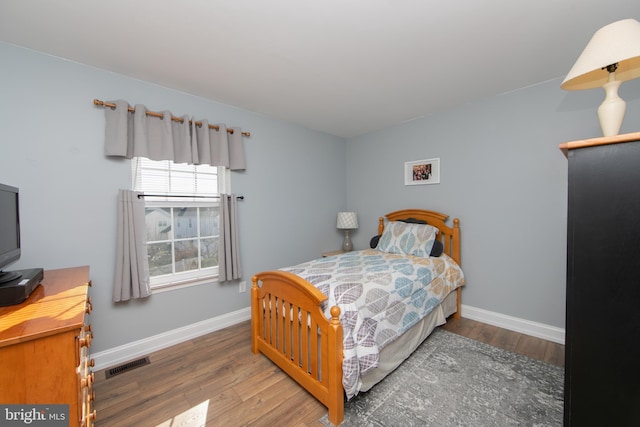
(397, 351)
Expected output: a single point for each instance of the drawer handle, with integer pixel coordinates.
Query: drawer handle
(86, 341)
(89, 306)
(89, 418)
(88, 380)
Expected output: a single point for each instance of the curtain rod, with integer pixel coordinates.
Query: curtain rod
(140, 196)
(154, 114)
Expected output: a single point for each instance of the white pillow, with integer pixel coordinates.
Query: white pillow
(407, 239)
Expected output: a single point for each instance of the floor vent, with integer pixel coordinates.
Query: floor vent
(127, 367)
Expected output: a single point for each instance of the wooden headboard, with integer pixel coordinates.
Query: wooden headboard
(449, 236)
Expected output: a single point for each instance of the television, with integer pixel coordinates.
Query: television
(9, 231)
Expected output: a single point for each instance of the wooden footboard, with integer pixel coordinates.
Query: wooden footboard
(288, 326)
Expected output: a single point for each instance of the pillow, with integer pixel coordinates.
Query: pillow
(436, 250)
(409, 239)
(413, 221)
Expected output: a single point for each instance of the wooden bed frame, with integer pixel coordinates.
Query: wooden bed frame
(314, 359)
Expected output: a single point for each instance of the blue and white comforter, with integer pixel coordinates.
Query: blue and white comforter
(380, 296)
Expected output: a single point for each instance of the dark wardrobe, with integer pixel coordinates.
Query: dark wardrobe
(602, 346)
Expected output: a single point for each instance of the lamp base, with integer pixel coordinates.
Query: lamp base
(611, 111)
(347, 246)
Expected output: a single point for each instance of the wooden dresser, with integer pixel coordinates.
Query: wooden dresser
(602, 345)
(44, 346)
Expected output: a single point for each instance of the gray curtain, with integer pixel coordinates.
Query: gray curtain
(139, 135)
(132, 267)
(228, 253)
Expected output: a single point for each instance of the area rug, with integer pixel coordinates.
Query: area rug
(451, 380)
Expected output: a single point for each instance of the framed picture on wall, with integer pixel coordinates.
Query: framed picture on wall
(420, 172)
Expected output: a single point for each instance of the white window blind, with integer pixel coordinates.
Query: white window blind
(167, 178)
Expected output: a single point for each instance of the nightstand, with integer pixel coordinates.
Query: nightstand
(331, 253)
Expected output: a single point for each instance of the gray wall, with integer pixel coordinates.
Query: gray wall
(51, 147)
(503, 175)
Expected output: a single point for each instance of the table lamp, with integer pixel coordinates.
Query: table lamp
(347, 221)
(611, 57)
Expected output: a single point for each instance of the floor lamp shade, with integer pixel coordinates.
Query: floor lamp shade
(611, 57)
(347, 221)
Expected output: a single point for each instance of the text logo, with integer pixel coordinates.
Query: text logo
(34, 415)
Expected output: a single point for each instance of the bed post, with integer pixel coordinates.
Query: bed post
(380, 225)
(335, 401)
(458, 313)
(255, 315)
(455, 254)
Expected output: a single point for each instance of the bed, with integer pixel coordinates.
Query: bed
(337, 337)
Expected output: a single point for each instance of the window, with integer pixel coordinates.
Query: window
(182, 219)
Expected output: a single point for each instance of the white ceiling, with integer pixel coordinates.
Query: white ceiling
(345, 67)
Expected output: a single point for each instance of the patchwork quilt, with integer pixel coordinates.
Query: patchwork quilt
(380, 296)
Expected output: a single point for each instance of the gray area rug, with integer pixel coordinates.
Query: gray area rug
(451, 380)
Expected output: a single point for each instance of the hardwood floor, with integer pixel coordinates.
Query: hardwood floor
(218, 379)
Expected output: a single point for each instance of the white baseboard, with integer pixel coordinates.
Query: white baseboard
(535, 329)
(128, 352)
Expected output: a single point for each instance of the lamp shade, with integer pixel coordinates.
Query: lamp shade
(347, 220)
(616, 43)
